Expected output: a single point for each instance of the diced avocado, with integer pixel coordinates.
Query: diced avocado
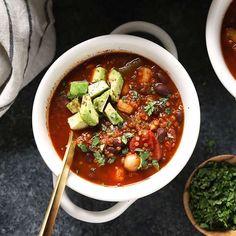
(97, 88)
(78, 88)
(116, 82)
(113, 115)
(100, 102)
(76, 122)
(74, 105)
(88, 112)
(99, 74)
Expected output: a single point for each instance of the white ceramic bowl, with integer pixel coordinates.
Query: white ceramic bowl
(87, 50)
(213, 41)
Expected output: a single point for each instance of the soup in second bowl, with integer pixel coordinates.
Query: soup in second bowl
(127, 116)
(228, 38)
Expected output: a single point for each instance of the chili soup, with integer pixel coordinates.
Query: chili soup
(127, 116)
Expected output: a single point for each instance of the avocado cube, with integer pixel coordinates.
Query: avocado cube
(113, 115)
(74, 106)
(76, 122)
(88, 112)
(99, 73)
(116, 82)
(97, 88)
(78, 88)
(100, 102)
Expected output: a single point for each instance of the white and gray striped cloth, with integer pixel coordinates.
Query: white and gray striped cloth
(27, 45)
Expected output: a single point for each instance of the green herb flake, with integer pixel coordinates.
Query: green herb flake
(125, 137)
(150, 107)
(104, 128)
(135, 95)
(213, 196)
(125, 151)
(168, 110)
(144, 155)
(95, 140)
(83, 147)
(162, 101)
(111, 160)
(99, 158)
(155, 164)
(169, 123)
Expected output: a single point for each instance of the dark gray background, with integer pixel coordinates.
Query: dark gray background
(25, 180)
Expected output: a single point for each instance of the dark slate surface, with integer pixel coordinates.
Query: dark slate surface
(25, 181)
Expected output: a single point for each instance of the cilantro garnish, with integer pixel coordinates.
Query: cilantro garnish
(150, 107)
(144, 155)
(125, 137)
(99, 158)
(104, 128)
(125, 151)
(155, 164)
(135, 95)
(213, 196)
(95, 140)
(83, 147)
(168, 110)
(111, 160)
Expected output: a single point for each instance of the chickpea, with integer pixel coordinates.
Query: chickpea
(132, 162)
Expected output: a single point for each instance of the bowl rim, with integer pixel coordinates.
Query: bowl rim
(230, 158)
(215, 18)
(131, 44)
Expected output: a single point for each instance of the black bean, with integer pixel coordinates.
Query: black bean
(162, 89)
(89, 157)
(179, 116)
(162, 78)
(161, 134)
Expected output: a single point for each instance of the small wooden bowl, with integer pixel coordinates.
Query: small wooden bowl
(227, 158)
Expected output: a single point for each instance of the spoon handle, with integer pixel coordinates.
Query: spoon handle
(51, 213)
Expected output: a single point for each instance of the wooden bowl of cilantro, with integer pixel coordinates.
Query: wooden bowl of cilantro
(210, 196)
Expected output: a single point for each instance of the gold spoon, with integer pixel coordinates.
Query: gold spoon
(51, 213)
(231, 159)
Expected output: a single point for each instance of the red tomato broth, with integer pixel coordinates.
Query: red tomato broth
(115, 173)
(228, 45)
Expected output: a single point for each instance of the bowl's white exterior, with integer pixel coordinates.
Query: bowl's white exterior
(149, 50)
(213, 41)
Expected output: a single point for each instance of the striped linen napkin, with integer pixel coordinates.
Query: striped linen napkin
(27, 45)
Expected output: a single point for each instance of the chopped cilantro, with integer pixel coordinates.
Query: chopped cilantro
(162, 101)
(135, 95)
(168, 110)
(83, 147)
(95, 140)
(213, 196)
(111, 160)
(150, 107)
(144, 155)
(104, 128)
(155, 164)
(125, 137)
(125, 151)
(169, 123)
(99, 158)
